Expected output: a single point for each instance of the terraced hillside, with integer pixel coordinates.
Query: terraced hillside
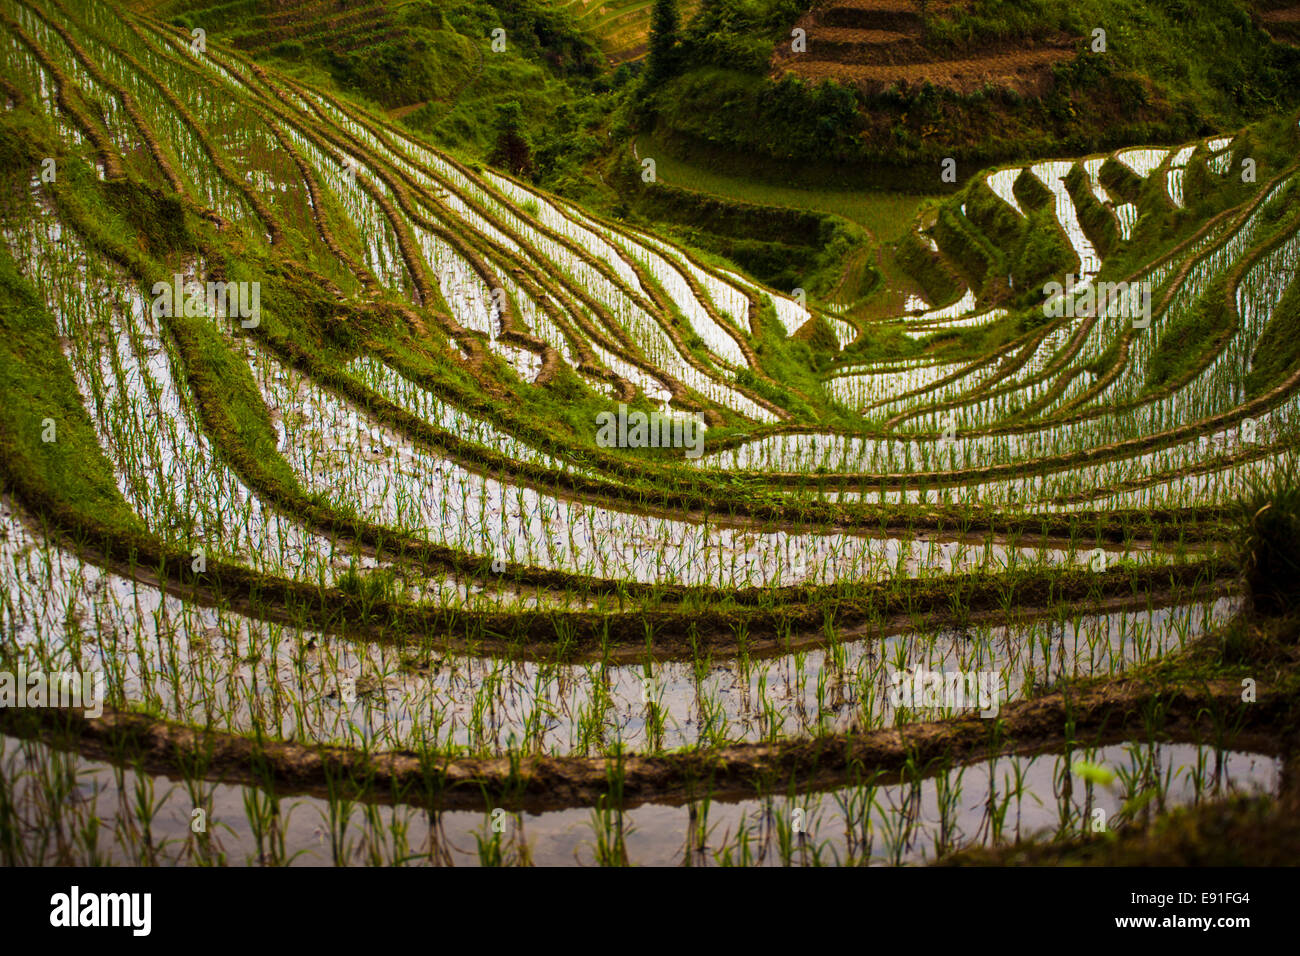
(1281, 19)
(620, 28)
(342, 26)
(329, 454)
(878, 44)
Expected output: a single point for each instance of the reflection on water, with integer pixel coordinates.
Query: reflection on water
(66, 809)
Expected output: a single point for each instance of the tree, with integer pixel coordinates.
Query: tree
(512, 151)
(664, 27)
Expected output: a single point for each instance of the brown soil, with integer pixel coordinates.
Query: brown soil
(893, 15)
(401, 112)
(1026, 72)
(876, 44)
(629, 54)
(1289, 15)
(1283, 25)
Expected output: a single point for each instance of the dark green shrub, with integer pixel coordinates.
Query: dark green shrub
(1268, 521)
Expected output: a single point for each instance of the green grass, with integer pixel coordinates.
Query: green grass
(886, 215)
(441, 75)
(71, 466)
(1277, 353)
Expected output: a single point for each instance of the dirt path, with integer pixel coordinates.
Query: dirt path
(1024, 71)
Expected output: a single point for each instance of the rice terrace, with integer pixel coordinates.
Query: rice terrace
(735, 433)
